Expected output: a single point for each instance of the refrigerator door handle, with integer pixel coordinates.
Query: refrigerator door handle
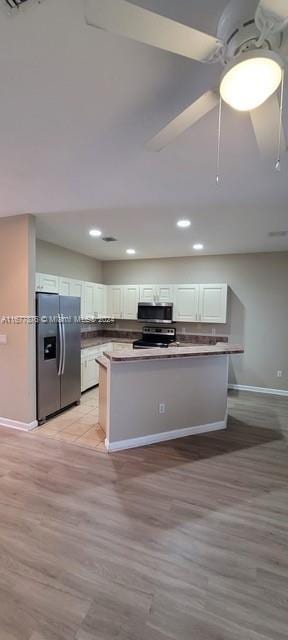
(60, 327)
(64, 348)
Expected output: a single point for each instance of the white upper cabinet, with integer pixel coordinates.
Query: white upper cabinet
(89, 299)
(71, 287)
(165, 293)
(38, 282)
(47, 283)
(131, 296)
(115, 301)
(205, 303)
(213, 303)
(147, 293)
(157, 293)
(100, 300)
(65, 286)
(186, 303)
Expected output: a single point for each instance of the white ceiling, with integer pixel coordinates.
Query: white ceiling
(77, 106)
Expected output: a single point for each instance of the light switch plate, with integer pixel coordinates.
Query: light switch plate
(3, 339)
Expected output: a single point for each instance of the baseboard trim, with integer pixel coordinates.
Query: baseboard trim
(155, 438)
(265, 390)
(15, 424)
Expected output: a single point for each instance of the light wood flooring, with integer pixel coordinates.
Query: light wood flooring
(77, 425)
(186, 540)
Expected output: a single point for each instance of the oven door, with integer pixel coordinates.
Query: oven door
(160, 312)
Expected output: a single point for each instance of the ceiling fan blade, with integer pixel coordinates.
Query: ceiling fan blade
(184, 121)
(274, 8)
(123, 18)
(265, 121)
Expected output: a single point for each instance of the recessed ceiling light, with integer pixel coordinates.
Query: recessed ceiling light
(95, 233)
(251, 79)
(131, 252)
(183, 224)
(198, 246)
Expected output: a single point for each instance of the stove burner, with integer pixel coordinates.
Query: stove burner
(155, 338)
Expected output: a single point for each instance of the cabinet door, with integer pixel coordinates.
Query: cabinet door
(48, 283)
(213, 303)
(65, 286)
(186, 303)
(92, 371)
(83, 375)
(77, 290)
(100, 304)
(38, 282)
(130, 302)
(115, 301)
(165, 293)
(89, 288)
(148, 293)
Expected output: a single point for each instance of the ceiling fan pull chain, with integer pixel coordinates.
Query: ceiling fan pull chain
(219, 141)
(278, 162)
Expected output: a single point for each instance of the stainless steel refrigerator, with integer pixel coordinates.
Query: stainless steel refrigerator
(58, 353)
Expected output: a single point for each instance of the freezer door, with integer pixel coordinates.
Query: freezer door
(71, 362)
(48, 355)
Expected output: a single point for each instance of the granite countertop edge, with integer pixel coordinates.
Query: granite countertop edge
(173, 352)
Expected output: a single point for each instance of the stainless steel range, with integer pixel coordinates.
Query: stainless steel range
(160, 337)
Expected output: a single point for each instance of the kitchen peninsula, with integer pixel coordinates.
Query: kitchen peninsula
(155, 395)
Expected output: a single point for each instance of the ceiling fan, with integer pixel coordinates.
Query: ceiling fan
(251, 43)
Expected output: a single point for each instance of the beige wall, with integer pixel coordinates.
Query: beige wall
(17, 357)
(258, 305)
(50, 258)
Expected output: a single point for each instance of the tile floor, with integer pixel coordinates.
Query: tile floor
(78, 425)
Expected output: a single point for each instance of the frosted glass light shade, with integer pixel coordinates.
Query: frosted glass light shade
(251, 79)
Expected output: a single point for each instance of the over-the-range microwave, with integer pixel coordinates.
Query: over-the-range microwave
(161, 312)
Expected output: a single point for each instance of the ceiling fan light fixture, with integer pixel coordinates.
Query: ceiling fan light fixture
(250, 79)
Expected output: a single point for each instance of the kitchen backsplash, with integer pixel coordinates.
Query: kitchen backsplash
(97, 331)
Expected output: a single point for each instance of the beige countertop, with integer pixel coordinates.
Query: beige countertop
(102, 361)
(88, 343)
(174, 352)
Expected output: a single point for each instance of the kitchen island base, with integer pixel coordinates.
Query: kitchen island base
(146, 401)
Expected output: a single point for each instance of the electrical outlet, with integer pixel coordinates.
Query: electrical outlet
(279, 374)
(183, 330)
(213, 331)
(162, 407)
(3, 339)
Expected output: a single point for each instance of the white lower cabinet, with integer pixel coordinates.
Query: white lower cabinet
(131, 297)
(89, 368)
(213, 303)
(186, 303)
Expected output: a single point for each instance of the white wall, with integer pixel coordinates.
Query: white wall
(17, 357)
(50, 258)
(258, 305)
